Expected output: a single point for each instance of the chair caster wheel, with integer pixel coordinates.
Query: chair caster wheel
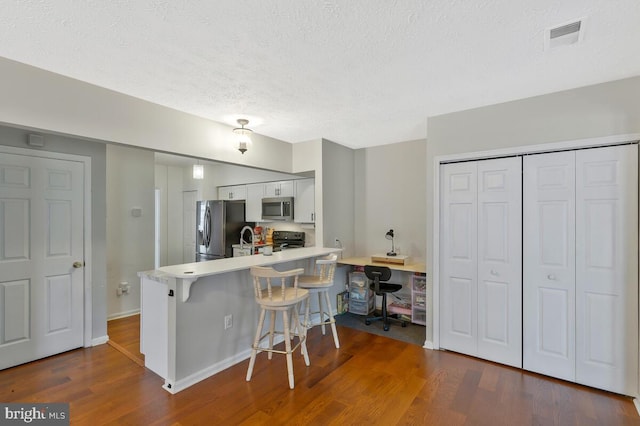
(367, 322)
(386, 328)
(404, 324)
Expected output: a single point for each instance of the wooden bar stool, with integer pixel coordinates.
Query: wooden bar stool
(319, 284)
(274, 295)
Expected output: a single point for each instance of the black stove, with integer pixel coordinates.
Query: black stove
(287, 239)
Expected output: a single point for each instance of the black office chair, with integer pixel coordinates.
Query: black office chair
(379, 275)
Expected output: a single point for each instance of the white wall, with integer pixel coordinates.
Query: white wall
(338, 197)
(130, 184)
(390, 194)
(595, 111)
(40, 99)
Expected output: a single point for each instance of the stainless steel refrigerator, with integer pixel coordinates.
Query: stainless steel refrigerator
(218, 225)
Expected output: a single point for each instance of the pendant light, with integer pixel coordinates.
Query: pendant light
(198, 171)
(244, 135)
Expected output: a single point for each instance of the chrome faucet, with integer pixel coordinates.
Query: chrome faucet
(243, 242)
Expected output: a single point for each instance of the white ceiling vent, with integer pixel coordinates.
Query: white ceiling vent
(565, 34)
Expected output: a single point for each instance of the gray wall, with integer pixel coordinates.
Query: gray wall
(390, 194)
(97, 151)
(601, 110)
(338, 196)
(130, 240)
(39, 99)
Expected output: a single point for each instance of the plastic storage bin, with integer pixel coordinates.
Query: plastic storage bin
(361, 298)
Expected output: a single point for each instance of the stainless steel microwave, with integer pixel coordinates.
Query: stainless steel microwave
(280, 208)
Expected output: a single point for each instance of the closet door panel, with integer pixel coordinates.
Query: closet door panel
(458, 260)
(549, 264)
(499, 260)
(606, 268)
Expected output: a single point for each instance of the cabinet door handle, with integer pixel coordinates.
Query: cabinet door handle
(494, 273)
(551, 277)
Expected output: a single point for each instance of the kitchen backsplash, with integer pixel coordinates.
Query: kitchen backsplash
(310, 232)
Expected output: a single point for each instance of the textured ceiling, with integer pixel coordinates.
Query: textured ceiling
(357, 72)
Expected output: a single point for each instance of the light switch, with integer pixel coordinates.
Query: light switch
(136, 212)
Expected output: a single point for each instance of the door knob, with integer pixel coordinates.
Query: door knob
(494, 272)
(551, 277)
(78, 264)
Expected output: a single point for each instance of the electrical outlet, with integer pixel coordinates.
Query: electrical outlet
(228, 321)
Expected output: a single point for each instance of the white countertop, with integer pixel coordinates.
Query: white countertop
(193, 271)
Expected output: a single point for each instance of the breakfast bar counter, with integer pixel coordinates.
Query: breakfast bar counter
(198, 319)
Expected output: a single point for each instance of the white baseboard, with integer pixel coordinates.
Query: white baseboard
(428, 344)
(123, 314)
(637, 404)
(100, 340)
(205, 373)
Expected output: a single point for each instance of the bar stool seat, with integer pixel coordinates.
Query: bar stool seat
(319, 284)
(273, 295)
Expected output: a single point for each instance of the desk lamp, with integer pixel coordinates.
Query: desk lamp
(389, 236)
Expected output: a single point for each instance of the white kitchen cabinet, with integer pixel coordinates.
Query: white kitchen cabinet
(580, 288)
(278, 189)
(304, 202)
(253, 205)
(236, 192)
(480, 259)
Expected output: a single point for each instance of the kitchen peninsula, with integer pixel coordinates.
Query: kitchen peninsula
(198, 319)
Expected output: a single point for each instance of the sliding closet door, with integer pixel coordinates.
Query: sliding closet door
(549, 264)
(500, 260)
(458, 261)
(480, 257)
(607, 268)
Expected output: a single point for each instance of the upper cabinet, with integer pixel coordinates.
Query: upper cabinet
(304, 202)
(236, 192)
(303, 191)
(278, 189)
(253, 206)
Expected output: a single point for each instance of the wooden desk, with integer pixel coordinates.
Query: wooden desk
(361, 261)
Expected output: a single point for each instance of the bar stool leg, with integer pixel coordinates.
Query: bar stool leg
(302, 335)
(321, 313)
(287, 345)
(307, 319)
(256, 342)
(332, 320)
(272, 328)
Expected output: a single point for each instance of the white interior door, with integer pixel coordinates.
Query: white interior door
(549, 264)
(189, 199)
(500, 260)
(41, 237)
(458, 257)
(607, 268)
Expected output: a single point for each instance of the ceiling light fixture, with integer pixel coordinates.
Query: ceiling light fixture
(244, 135)
(198, 171)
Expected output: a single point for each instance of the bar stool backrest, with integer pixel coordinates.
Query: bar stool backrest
(271, 285)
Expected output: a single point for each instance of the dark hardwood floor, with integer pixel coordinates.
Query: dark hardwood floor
(370, 380)
(124, 335)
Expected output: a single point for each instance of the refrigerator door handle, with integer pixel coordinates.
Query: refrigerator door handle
(207, 227)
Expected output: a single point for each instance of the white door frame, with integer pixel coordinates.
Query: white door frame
(504, 152)
(87, 270)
